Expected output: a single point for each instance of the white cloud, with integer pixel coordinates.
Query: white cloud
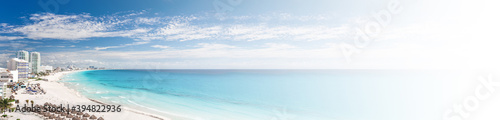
(10, 38)
(120, 46)
(185, 31)
(74, 27)
(202, 56)
(149, 21)
(174, 28)
(160, 46)
(215, 46)
(14, 45)
(4, 57)
(279, 46)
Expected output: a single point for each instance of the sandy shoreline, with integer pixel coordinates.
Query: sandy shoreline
(57, 93)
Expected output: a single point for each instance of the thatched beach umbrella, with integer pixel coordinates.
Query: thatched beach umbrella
(69, 116)
(75, 118)
(46, 114)
(86, 115)
(79, 113)
(51, 116)
(93, 117)
(46, 103)
(73, 112)
(84, 119)
(100, 118)
(63, 114)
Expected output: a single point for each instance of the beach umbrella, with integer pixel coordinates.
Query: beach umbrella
(63, 114)
(100, 118)
(92, 117)
(46, 103)
(69, 116)
(79, 113)
(73, 112)
(84, 119)
(75, 118)
(51, 116)
(86, 115)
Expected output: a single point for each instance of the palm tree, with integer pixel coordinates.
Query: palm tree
(5, 104)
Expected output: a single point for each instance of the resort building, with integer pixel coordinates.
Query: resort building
(5, 91)
(21, 66)
(46, 68)
(8, 76)
(23, 55)
(35, 62)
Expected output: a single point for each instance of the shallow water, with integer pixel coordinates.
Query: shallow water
(272, 94)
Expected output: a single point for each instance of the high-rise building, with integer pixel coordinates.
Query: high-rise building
(21, 66)
(35, 62)
(23, 55)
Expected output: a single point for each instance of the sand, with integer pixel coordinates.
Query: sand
(57, 93)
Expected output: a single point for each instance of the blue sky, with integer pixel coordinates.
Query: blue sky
(242, 34)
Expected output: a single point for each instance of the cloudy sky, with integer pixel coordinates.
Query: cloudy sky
(253, 34)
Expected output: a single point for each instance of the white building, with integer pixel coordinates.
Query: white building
(35, 62)
(45, 68)
(23, 55)
(8, 76)
(21, 66)
(5, 91)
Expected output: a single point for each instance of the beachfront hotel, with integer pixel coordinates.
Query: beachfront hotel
(8, 75)
(19, 65)
(35, 62)
(23, 55)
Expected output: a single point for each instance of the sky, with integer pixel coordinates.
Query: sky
(253, 34)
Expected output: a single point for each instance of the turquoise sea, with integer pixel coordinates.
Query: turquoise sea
(273, 94)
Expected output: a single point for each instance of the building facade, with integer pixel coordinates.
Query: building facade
(21, 66)
(35, 62)
(23, 55)
(8, 76)
(5, 91)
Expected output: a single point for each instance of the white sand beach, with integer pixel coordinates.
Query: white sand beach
(57, 93)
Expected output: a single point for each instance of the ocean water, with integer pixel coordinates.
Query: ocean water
(274, 94)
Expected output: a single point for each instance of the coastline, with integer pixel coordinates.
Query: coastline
(58, 93)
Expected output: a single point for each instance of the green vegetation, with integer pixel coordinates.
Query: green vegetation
(4, 105)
